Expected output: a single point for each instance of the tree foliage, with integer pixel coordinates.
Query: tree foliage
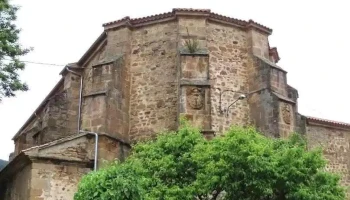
(242, 164)
(10, 51)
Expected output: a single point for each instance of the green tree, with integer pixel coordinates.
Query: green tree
(242, 164)
(10, 51)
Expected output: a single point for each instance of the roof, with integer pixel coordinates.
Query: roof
(137, 22)
(326, 122)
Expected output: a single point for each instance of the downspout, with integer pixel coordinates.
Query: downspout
(96, 147)
(80, 94)
(79, 116)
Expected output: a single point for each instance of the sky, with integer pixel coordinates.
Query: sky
(312, 38)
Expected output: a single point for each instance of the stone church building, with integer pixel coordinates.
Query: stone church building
(138, 78)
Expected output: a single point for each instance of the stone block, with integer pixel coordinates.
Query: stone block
(195, 67)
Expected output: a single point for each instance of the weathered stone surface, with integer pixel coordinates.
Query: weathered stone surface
(139, 80)
(258, 43)
(228, 71)
(336, 148)
(54, 182)
(195, 106)
(194, 67)
(153, 78)
(287, 119)
(18, 187)
(56, 120)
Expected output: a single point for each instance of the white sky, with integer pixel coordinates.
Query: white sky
(312, 37)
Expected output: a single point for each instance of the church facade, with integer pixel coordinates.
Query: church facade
(138, 78)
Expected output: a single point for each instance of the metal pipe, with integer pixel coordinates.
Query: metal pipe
(96, 147)
(228, 108)
(220, 99)
(80, 95)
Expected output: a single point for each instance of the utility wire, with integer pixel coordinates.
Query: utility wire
(38, 63)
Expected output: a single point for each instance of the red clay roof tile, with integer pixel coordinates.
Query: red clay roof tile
(211, 15)
(327, 122)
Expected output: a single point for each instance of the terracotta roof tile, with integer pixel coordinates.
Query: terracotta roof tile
(151, 18)
(191, 10)
(228, 19)
(327, 122)
(259, 25)
(127, 18)
(211, 15)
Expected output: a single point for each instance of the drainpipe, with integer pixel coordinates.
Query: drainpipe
(80, 94)
(96, 147)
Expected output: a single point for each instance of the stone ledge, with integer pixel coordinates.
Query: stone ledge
(281, 97)
(100, 93)
(184, 82)
(270, 64)
(105, 62)
(201, 52)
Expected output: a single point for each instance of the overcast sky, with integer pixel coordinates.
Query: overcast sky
(312, 37)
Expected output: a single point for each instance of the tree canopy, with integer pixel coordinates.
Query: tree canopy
(10, 51)
(242, 164)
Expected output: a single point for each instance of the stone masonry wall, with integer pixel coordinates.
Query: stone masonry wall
(72, 89)
(95, 83)
(194, 91)
(259, 44)
(228, 71)
(336, 149)
(54, 120)
(264, 112)
(192, 28)
(117, 119)
(19, 187)
(54, 181)
(278, 81)
(138, 81)
(153, 94)
(118, 50)
(287, 118)
(107, 87)
(94, 108)
(51, 123)
(110, 150)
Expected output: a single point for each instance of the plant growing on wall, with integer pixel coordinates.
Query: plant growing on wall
(242, 164)
(191, 44)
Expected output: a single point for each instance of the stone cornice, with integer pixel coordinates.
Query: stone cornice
(271, 64)
(283, 98)
(170, 16)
